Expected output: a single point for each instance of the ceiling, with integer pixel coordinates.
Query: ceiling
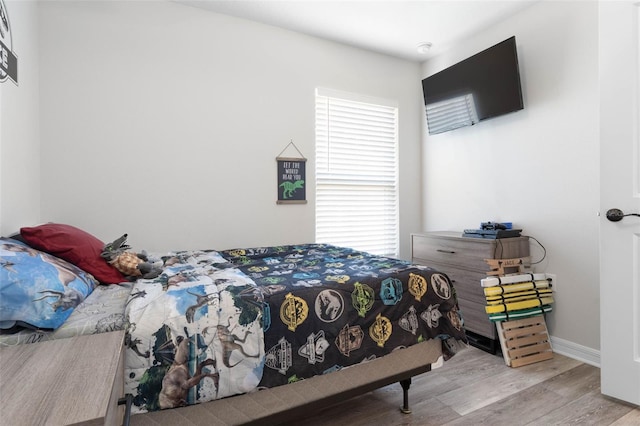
(390, 27)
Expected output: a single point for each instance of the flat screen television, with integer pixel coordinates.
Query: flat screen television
(483, 86)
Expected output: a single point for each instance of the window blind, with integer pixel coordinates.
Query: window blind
(356, 173)
(451, 114)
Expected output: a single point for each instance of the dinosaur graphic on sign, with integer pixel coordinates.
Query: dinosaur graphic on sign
(290, 187)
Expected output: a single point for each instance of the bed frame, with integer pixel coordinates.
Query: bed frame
(299, 399)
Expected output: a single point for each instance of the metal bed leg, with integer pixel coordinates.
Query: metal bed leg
(405, 395)
(126, 401)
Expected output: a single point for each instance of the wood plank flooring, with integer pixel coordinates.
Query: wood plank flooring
(477, 388)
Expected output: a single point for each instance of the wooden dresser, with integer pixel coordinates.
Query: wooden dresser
(68, 381)
(463, 260)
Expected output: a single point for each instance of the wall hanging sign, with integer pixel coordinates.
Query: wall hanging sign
(8, 59)
(291, 178)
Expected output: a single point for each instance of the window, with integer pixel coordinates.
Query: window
(356, 172)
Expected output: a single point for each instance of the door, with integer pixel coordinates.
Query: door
(619, 49)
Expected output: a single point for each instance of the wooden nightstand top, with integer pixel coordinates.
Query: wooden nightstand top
(59, 382)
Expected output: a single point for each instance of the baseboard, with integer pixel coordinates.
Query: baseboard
(573, 350)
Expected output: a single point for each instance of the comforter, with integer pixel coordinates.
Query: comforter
(220, 323)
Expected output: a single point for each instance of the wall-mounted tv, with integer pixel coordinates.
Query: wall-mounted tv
(480, 87)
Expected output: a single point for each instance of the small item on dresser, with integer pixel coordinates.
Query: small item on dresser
(132, 265)
(491, 233)
(493, 230)
(495, 225)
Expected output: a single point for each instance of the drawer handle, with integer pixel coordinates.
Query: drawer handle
(445, 251)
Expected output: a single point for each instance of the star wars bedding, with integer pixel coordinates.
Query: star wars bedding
(216, 324)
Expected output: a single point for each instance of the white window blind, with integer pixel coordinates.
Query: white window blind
(451, 114)
(356, 172)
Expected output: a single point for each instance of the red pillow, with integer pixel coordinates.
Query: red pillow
(75, 246)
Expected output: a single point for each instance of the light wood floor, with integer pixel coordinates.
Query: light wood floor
(477, 388)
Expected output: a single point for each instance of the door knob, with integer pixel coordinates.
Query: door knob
(616, 215)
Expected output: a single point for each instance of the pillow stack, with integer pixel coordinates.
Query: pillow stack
(47, 271)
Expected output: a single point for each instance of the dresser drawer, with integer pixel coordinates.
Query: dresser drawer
(466, 283)
(469, 253)
(463, 260)
(476, 318)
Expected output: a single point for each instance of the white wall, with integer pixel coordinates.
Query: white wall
(164, 121)
(538, 167)
(19, 125)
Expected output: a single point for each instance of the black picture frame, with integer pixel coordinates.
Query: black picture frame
(292, 181)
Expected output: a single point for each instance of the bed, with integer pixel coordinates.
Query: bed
(216, 324)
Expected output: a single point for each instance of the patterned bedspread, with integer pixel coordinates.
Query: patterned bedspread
(194, 333)
(330, 307)
(215, 324)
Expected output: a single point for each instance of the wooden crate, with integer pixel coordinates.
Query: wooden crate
(524, 341)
